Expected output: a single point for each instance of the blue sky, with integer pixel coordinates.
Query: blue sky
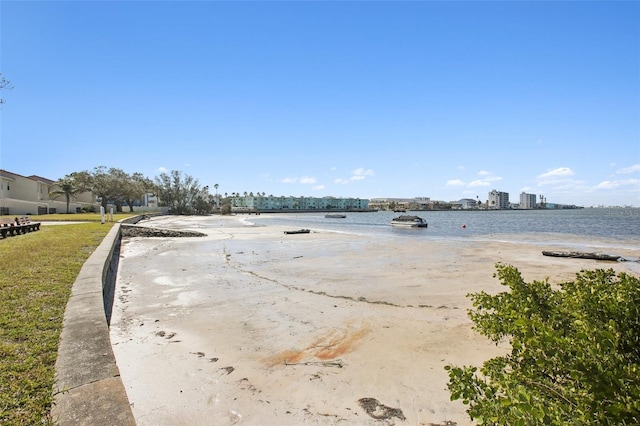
(446, 100)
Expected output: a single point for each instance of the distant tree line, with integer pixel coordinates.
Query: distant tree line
(181, 193)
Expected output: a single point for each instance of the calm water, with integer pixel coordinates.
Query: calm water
(619, 225)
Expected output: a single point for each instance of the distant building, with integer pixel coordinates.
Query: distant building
(465, 204)
(271, 203)
(527, 201)
(498, 200)
(417, 203)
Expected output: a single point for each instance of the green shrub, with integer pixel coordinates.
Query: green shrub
(575, 352)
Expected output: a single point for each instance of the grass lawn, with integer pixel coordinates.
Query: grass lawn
(37, 272)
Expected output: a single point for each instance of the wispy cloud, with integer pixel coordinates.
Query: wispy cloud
(628, 170)
(162, 169)
(617, 184)
(356, 175)
(363, 172)
(561, 180)
(555, 173)
(486, 179)
(318, 188)
(304, 180)
(478, 182)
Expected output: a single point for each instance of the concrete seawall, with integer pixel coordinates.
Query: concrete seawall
(88, 389)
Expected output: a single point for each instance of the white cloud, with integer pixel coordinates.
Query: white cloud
(460, 167)
(162, 169)
(318, 188)
(455, 182)
(486, 178)
(560, 171)
(356, 175)
(305, 180)
(627, 170)
(362, 172)
(607, 184)
(478, 182)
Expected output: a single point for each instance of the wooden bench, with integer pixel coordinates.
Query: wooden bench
(17, 226)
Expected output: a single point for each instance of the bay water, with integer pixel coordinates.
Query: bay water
(595, 225)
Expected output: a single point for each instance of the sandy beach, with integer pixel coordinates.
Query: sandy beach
(251, 326)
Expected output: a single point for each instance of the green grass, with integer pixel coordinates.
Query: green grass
(37, 272)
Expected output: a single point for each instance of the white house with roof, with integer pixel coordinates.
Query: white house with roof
(466, 204)
(20, 195)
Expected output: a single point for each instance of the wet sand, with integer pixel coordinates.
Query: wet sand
(252, 326)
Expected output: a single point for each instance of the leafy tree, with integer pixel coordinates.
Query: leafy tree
(204, 202)
(114, 185)
(178, 191)
(575, 352)
(102, 182)
(135, 187)
(69, 187)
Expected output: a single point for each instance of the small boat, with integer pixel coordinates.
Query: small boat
(400, 211)
(298, 231)
(408, 221)
(335, 216)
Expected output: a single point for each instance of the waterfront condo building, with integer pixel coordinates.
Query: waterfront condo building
(498, 200)
(527, 201)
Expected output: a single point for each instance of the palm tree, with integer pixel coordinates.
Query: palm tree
(68, 188)
(4, 84)
(217, 199)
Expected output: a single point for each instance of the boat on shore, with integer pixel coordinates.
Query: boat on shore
(298, 231)
(335, 216)
(583, 255)
(409, 221)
